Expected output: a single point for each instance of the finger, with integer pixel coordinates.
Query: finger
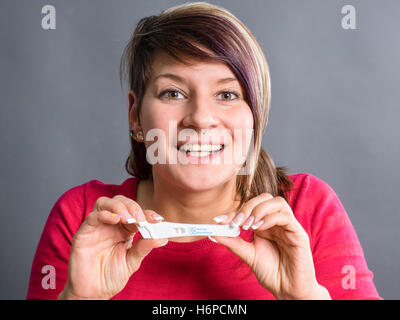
(153, 216)
(237, 220)
(243, 249)
(225, 218)
(281, 219)
(140, 249)
(113, 205)
(248, 207)
(266, 207)
(258, 213)
(134, 213)
(293, 233)
(96, 217)
(108, 217)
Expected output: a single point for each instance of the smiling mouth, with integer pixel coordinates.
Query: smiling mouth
(200, 151)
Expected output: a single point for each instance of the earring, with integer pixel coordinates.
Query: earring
(139, 135)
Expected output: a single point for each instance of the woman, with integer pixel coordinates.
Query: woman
(198, 80)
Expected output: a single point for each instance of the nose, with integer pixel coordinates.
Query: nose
(200, 114)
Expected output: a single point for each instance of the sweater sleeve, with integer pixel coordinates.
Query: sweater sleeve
(339, 260)
(49, 271)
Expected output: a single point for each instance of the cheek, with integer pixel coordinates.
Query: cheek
(242, 125)
(241, 121)
(157, 123)
(155, 117)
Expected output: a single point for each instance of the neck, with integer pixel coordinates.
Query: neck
(176, 204)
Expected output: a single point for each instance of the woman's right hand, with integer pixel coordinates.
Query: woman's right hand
(102, 257)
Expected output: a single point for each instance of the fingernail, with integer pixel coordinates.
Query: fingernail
(156, 216)
(131, 220)
(220, 218)
(238, 219)
(212, 239)
(259, 223)
(128, 217)
(248, 223)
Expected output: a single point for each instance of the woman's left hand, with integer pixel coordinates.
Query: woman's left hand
(280, 254)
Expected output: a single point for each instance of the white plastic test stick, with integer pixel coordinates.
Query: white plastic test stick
(173, 229)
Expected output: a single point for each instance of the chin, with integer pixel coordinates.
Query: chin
(204, 179)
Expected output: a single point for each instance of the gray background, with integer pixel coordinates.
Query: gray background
(64, 119)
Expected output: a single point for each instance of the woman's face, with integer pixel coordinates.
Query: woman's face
(193, 104)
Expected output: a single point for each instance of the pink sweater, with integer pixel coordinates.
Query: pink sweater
(203, 269)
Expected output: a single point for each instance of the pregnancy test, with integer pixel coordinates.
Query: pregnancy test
(174, 229)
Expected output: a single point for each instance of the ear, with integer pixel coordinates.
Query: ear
(134, 121)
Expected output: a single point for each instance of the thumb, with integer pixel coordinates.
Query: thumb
(243, 249)
(140, 249)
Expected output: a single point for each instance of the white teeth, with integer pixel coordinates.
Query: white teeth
(199, 154)
(204, 148)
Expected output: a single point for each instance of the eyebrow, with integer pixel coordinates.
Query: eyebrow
(179, 79)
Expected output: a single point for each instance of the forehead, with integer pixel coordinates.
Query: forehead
(164, 63)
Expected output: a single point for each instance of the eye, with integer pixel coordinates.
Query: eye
(229, 93)
(173, 96)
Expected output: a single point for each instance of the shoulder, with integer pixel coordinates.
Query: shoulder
(313, 200)
(306, 185)
(97, 187)
(82, 197)
(305, 179)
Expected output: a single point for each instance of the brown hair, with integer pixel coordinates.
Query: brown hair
(175, 31)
